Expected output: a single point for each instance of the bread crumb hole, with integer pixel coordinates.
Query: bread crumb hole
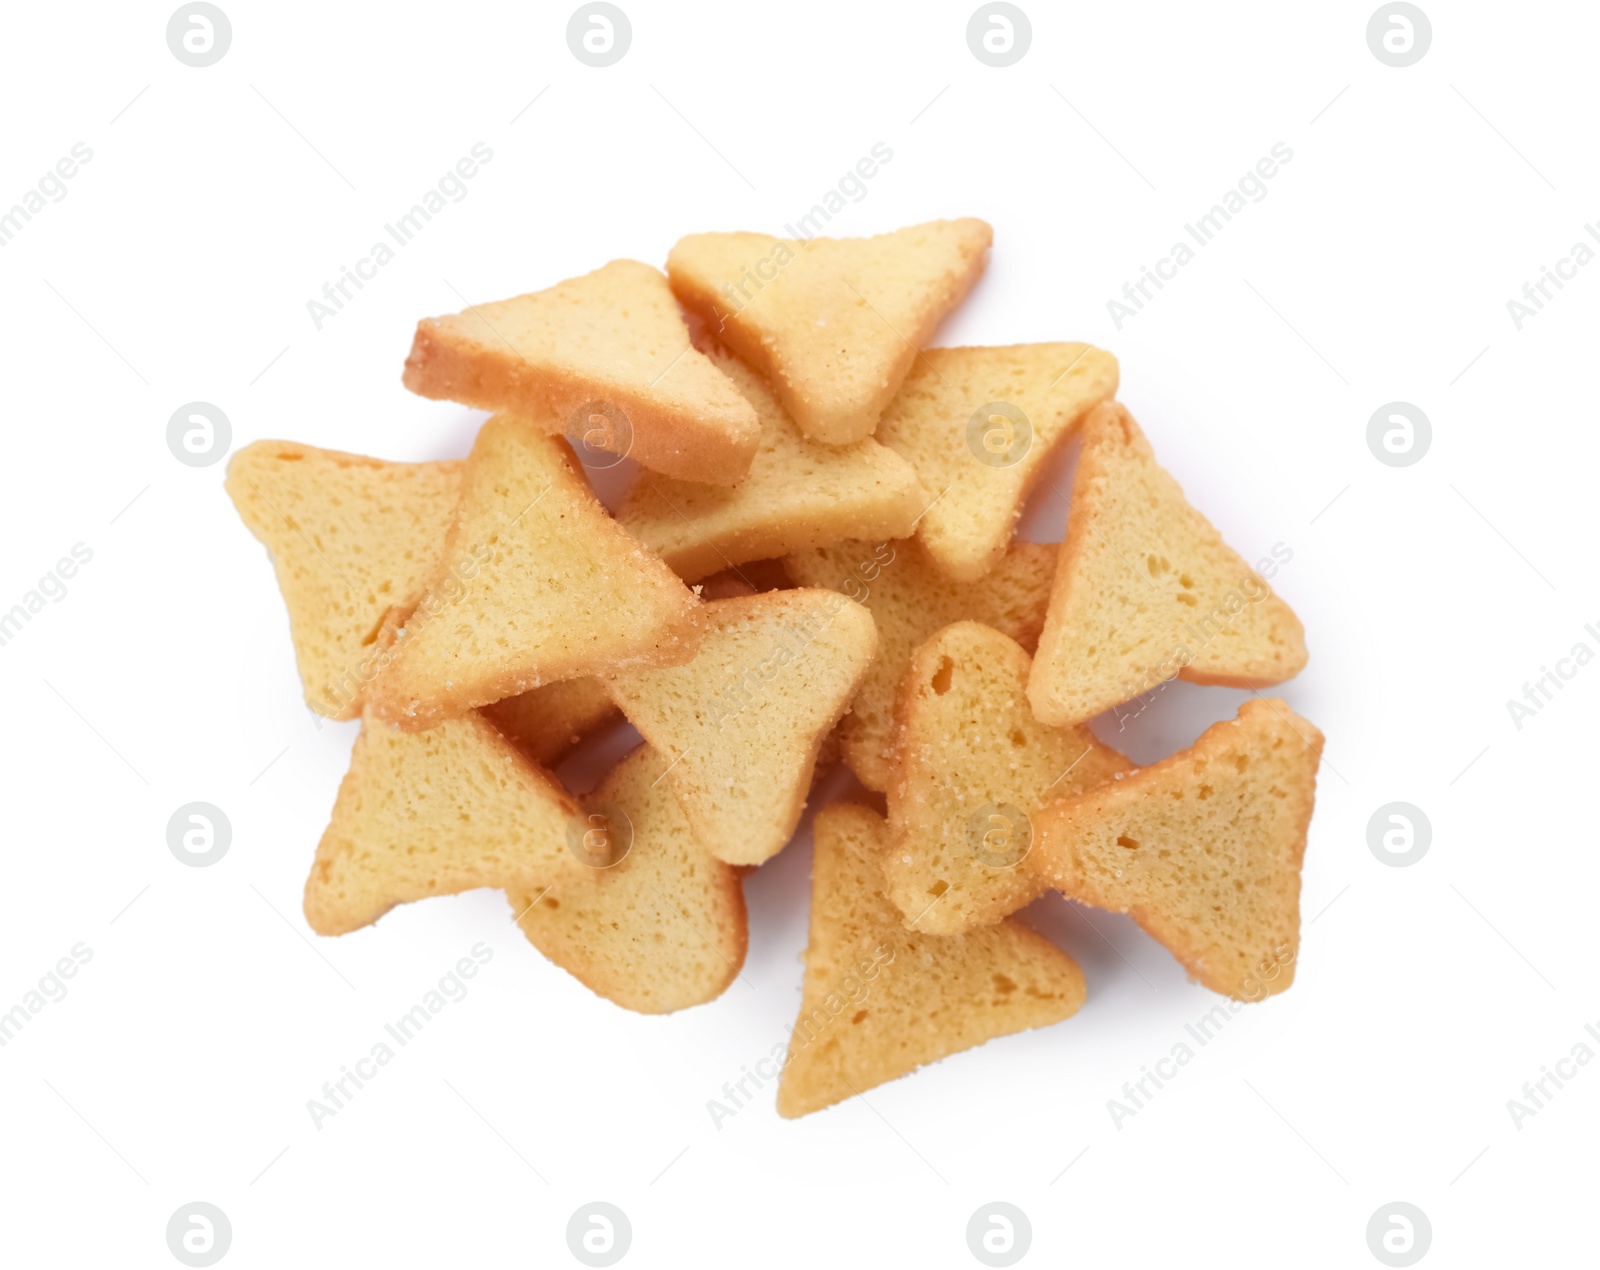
(1205, 791)
(552, 902)
(942, 676)
(1003, 984)
(1017, 738)
(938, 889)
(858, 1016)
(1242, 762)
(1124, 841)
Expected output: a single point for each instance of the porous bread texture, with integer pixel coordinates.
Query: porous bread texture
(435, 813)
(834, 323)
(537, 584)
(798, 493)
(546, 723)
(661, 929)
(951, 419)
(1203, 849)
(1146, 589)
(880, 1001)
(351, 539)
(910, 598)
(972, 767)
(743, 721)
(614, 337)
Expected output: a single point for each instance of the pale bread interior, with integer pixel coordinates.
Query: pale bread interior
(973, 767)
(352, 540)
(834, 323)
(613, 338)
(743, 721)
(1146, 589)
(798, 493)
(435, 813)
(661, 929)
(1203, 848)
(980, 463)
(879, 1000)
(537, 584)
(910, 598)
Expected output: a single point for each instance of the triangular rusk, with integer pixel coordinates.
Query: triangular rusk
(972, 768)
(979, 425)
(1146, 589)
(910, 598)
(798, 493)
(537, 584)
(880, 1001)
(352, 539)
(435, 813)
(606, 357)
(742, 723)
(1203, 848)
(834, 323)
(655, 924)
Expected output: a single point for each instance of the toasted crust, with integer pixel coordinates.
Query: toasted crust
(834, 323)
(910, 599)
(797, 494)
(983, 471)
(537, 584)
(660, 930)
(1146, 589)
(352, 540)
(445, 811)
(972, 768)
(1203, 849)
(879, 1001)
(745, 719)
(614, 336)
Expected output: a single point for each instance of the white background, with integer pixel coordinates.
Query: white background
(178, 267)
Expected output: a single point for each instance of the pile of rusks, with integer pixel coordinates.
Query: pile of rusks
(815, 565)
